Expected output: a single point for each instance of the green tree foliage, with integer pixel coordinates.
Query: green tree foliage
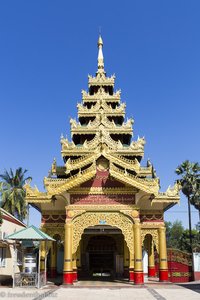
(185, 241)
(12, 192)
(190, 181)
(179, 238)
(174, 232)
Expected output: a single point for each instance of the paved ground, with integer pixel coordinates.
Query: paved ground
(106, 291)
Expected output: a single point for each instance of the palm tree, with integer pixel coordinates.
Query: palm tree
(195, 199)
(12, 192)
(190, 176)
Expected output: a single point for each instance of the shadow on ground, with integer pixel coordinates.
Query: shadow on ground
(191, 286)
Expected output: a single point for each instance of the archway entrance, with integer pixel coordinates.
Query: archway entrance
(102, 253)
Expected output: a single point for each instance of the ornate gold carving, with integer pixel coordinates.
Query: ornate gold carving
(103, 208)
(94, 218)
(106, 191)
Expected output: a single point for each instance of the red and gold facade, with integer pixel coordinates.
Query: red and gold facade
(102, 205)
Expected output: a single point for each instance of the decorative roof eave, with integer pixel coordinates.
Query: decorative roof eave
(94, 126)
(121, 161)
(76, 152)
(88, 130)
(85, 148)
(129, 164)
(35, 194)
(94, 98)
(133, 148)
(166, 203)
(82, 161)
(145, 171)
(168, 198)
(86, 97)
(145, 185)
(102, 120)
(92, 157)
(102, 109)
(57, 186)
(101, 80)
(107, 113)
(129, 152)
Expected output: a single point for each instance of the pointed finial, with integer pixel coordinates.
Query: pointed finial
(100, 41)
(100, 54)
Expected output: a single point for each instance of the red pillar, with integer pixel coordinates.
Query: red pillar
(131, 274)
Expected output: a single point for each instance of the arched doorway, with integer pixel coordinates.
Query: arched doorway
(102, 253)
(79, 222)
(149, 248)
(55, 257)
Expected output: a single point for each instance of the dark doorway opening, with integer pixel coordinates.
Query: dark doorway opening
(102, 250)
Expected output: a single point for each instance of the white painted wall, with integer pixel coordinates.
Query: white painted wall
(145, 262)
(196, 257)
(8, 228)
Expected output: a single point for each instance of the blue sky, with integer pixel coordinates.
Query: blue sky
(47, 49)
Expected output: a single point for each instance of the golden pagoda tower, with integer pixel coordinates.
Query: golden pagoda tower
(102, 205)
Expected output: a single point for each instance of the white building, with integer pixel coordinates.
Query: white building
(9, 225)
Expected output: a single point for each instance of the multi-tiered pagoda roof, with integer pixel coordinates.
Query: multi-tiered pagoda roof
(102, 139)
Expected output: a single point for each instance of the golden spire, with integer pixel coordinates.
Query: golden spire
(100, 54)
